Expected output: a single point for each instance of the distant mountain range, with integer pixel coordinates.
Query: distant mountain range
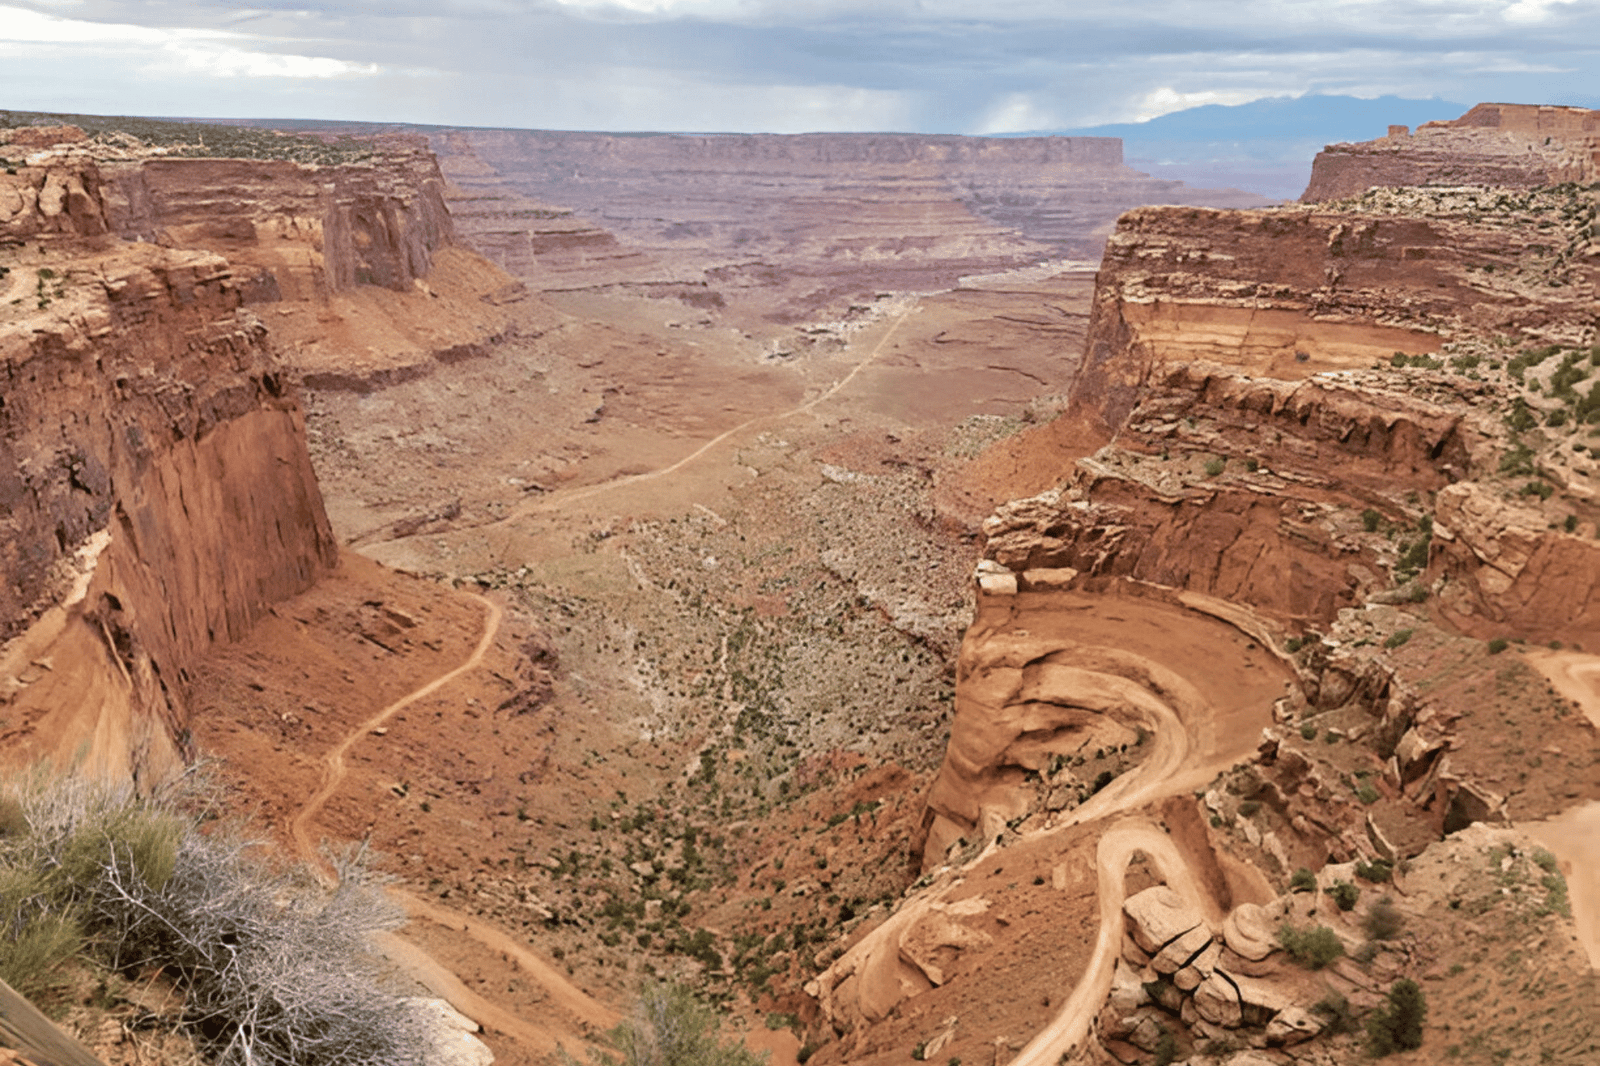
(1265, 146)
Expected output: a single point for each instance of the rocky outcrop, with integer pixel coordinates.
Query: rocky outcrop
(158, 495)
(1509, 571)
(292, 232)
(1293, 292)
(306, 231)
(1237, 365)
(1504, 145)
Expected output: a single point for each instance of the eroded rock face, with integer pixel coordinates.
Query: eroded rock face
(1509, 568)
(153, 465)
(158, 497)
(1506, 145)
(1232, 371)
(1290, 293)
(307, 231)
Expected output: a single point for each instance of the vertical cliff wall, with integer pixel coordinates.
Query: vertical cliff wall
(157, 494)
(305, 231)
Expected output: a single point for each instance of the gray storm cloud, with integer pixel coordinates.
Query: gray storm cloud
(931, 65)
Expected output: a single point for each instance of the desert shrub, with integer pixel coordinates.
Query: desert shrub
(1214, 467)
(1335, 1010)
(1397, 1026)
(1521, 416)
(1382, 921)
(1371, 519)
(276, 971)
(1166, 1052)
(1345, 895)
(1398, 637)
(1498, 645)
(1377, 871)
(1366, 793)
(1518, 461)
(1308, 731)
(1302, 880)
(1312, 948)
(670, 1027)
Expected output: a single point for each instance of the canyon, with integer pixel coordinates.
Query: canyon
(937, 596)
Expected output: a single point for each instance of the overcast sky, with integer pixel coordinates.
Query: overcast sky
(978, 66)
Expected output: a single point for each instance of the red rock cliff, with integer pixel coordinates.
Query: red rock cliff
(307, 231)
(1505, 145)
(157, 494)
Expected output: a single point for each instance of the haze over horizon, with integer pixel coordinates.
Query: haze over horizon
(926, 66)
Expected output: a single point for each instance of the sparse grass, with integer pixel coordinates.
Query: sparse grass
(1398, 638)
(204, 140)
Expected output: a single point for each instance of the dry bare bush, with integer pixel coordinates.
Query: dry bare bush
(277, 970)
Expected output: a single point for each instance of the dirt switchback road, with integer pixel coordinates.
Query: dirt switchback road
(1114, 852)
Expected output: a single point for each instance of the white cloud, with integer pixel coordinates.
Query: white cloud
(213, 61)
(209, 53)
(1166, 99)
(1017, 113)
(1532, 10)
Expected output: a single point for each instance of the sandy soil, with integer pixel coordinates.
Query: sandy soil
(1576, 675)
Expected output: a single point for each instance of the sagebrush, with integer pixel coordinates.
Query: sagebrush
(276, 970)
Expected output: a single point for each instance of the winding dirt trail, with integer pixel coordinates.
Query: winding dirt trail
(560, 498)
(1574, 835)
(410, 958)
(333, 771)
(1115, 850)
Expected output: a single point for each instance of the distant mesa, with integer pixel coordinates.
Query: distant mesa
(1504, 145)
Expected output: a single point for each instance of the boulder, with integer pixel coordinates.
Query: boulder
(1127, 991)
(1159, 916)
(1260, 1000)
(1217, 1001)
(1173, 957)
(1235, 963)
(1145, 1033)
(1291, 1026)
(1198, 968)
(1249, 931)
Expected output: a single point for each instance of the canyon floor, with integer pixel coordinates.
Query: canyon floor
(927, 643)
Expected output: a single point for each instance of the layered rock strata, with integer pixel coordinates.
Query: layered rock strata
(158, 493)
(840, 214)
(1503, 145)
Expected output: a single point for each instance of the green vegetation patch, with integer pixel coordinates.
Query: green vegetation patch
(204, 139)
